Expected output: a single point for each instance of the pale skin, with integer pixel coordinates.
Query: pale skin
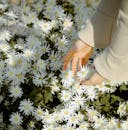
(79, 55)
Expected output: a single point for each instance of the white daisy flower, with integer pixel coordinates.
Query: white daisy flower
(31, 124)
(54, 12)
(53, 56)
(92, 114)
(3, 6)
(16, 75)
(44, 26)
(100, 122)
(112, 123)
(53, 37)
(15, 91)
(70, 105)
(16, 118)
(104, 89)
(45, 48)
(10, 74)
(78, 101)
(55, 60)
(124, 125)
(31, 17)
(91, 93)
(65, 95)
(20, 44)
(4, 47)
(28, 54)
(19, 77)
(113, 83)
(11, 14)
(58, 12)
(122, 109)
(15, 59)
(77, 89)
(38, 113)
(39, 79)
(83, 72)
(41, 64)
(5, 35)
(67, 23)
(66, 113)
(67, 78)
(73, 120)
(62, 43)
(56, 65)
(37, 54)
(48, 118)
(54, 85)
(57, 117)
(80, 117)
(48, 11)
(38, 6)
(26, 106)
(54, 23)
(25, 9)
(33, 42)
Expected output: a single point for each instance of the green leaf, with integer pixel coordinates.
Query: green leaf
(123, 87)
(48, 95)
(115, 98)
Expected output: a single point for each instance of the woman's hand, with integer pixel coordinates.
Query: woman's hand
(79, 53)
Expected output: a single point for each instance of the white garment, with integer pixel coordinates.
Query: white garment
(108, 28)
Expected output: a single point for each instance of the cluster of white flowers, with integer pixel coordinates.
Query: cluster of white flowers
(34, 37)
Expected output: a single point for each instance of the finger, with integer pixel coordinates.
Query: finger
(80, 63)
(65, 65)
(85, 60)
(66, 60)
(86, 57)
(74, 65)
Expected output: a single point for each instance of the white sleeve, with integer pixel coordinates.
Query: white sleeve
(112, 62)
(99, 27)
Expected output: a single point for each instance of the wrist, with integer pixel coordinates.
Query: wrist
(86, 44)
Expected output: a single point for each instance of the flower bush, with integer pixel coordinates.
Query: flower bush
(35, 94)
